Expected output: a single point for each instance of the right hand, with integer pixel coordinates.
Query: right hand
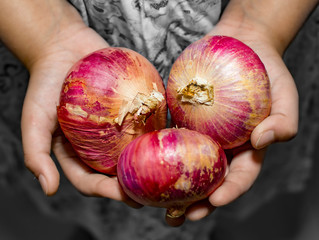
(40, 130)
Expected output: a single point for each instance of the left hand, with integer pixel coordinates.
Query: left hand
(281, 125)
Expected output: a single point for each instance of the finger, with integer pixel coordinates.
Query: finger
(282, 124)
(36, 138)
(199, 210)
(242, 173)
(86, 180)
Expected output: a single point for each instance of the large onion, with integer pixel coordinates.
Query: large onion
(171, 168)
(108, 98)
(220, 87)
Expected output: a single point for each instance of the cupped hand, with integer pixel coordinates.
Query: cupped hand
(246, 161)
(40, 130)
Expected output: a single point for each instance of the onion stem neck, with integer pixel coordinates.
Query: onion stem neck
(141, 107)
(197, 91)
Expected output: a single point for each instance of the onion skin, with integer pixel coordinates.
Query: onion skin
(171, 168)
(219, 87)
(101, 108)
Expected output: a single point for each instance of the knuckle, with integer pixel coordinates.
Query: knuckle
(291, 130)
(28, 162)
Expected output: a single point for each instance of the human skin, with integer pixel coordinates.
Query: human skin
(268, 28)
(49, 36)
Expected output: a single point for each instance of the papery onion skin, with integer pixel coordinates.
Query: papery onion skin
(171, 168)
(238, 84)
(96, 97)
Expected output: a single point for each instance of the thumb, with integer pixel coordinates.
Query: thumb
(36, 138)
(282, 123)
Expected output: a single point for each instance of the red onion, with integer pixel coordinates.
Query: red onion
(219, 87)
(171, 168)
(109, 98)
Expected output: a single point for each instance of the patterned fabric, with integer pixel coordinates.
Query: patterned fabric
(287, 167)
(158, 29)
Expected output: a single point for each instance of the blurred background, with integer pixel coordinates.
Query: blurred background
(283, 203)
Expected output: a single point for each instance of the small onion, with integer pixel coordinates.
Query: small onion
(171, 168)
(109, 98)
(219, 87)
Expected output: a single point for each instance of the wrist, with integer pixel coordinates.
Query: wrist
(61, 26)
(30, 28)
(275, 22)
(238, 23)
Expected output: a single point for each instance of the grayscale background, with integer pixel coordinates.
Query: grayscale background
(283, 204)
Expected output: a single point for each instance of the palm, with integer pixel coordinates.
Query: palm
(39, 121)
(246, 161)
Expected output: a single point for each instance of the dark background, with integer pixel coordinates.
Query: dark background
(283, 204)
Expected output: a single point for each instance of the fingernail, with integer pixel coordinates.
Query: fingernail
(198, 214)
(43, 184)
(265, 139)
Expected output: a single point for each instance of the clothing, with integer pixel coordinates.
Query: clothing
(288, 167)
(157, 29)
